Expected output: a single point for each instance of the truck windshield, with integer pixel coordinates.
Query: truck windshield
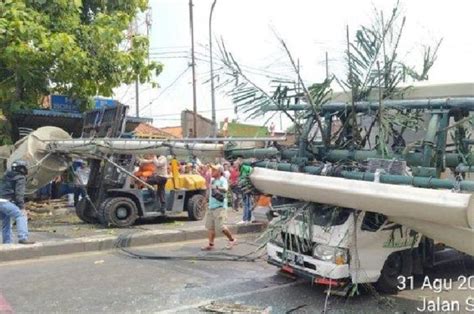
(330, 216)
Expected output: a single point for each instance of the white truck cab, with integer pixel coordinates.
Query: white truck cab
(331, 253)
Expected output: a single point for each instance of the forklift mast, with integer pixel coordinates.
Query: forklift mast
(108, 122)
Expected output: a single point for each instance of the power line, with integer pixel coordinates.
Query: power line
(167, 88)
(169, 52)
(200, 111)
(155, 58)
(168, 47)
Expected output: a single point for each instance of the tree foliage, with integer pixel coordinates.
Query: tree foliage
(254, 100)
(70, 47)
(374, 65)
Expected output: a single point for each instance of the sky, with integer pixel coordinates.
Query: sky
(249, 29)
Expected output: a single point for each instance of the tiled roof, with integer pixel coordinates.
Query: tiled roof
(146, 130)
(176, 131)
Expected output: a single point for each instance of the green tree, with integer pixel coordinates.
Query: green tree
(77, 48)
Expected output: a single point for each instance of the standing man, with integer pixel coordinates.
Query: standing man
(81, 178)
(225, 127)
(245, 170)
(12, 202)
(216, 216)
(234, 185)
(227, 171)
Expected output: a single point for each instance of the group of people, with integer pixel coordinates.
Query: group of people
(222, 182)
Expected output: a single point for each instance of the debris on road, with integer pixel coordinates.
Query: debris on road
(47, 206)
(234, 308)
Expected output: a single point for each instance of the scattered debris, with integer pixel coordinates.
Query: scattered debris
(234, 308)
(47, 206)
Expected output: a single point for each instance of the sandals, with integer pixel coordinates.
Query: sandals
(231, 244)
(208, 247)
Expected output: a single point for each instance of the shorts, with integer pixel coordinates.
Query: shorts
(216, 219)
(262, 214)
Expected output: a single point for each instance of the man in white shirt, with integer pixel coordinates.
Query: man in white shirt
(81, 178)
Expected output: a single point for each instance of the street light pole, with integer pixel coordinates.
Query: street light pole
(213, 97)
(193, 65)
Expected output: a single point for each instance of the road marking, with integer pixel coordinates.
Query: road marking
(236, 295)
(5, 307)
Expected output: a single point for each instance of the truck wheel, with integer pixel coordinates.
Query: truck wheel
(81, 212)
(392, 269)
(118, 212)
(196, 207)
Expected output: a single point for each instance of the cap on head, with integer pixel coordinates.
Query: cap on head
(20, 166)
(218, 168)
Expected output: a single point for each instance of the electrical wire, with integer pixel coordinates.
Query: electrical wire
(166, 88)
(209, 257)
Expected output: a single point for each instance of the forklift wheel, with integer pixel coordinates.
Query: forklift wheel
(196, 207)
(81, 209)
(118, 212)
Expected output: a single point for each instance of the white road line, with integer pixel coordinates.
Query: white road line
(236, 295)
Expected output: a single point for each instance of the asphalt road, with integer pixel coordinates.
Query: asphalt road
(113, 282)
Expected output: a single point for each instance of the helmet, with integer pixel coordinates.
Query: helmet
(20, 166)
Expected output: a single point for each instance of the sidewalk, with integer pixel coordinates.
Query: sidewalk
(66, 234)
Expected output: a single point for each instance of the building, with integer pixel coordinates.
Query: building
(24, 121)
(144, 130)
(176, 131)
(203, 125)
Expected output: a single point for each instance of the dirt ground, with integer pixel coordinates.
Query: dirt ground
(55, 219)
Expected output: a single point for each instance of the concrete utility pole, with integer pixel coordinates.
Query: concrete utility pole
(193, 65)
(213, 97)
(327, 66)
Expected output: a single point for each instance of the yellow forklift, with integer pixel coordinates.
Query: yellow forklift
(112, 198)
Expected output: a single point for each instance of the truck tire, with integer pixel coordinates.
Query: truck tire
(196, 207)
(118, 212)
(81, 212)
(392, 269)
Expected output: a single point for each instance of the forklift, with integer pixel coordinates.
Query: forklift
(113, 200)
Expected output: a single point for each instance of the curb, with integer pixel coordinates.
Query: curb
(17, 252)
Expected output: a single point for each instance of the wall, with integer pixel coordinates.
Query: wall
(204, 125)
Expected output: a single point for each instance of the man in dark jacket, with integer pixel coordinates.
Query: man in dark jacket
(12, 202)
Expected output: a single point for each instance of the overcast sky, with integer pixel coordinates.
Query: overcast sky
(309, 27)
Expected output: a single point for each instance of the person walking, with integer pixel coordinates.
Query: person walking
(216, 215)
(12, 202)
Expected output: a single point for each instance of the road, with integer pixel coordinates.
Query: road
(114, 282)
